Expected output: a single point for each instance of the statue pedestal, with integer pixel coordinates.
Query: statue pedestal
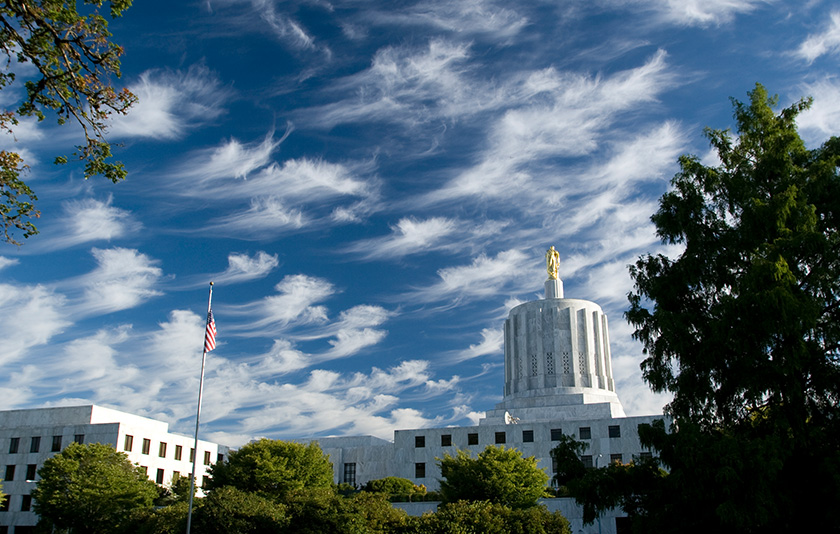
(553, 289)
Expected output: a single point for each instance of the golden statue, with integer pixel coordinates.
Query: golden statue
(552, 263)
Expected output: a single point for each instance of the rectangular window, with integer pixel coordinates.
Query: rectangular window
(35, 444)
(14, 443)
(420, 470)
(556, 434)
(616, 459)
(527, 436)
(175, 476)
(587, 461)
(585, 433)
(220, 458)
(446, 440)
(162, 450)
(129, 443)
(206, 457)
(10, 473)
(147, 446)
(614, 431)
(159, 477)
(26, 503)
(4, 506)
(501, 437)
(79, 438)
(554, 464)
(145, 470)
(472, 439)
(192, 454)
(178, 451)
(419, 441)
(31, 471)
(645, 456)
(56, 444)
(350, 474)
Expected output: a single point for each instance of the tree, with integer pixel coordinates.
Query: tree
(743, 328)
(566, 458)
(273, 468)
(91, 489)
(231, 510)
(75, 61)
(498, 475)
(396, 488)
(483, 517)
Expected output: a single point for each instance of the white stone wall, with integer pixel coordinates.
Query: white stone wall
(97, 425)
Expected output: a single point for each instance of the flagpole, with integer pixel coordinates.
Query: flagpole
(198, 411)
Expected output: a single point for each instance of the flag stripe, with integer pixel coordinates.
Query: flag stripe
(210, 333)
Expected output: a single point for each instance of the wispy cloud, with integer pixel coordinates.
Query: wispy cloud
(409, 236)
(825, 42)
(242, 267)
(295, 301)
(492, 342)
(29, 316)
(172, 102)
(698, 12)
(86, 221)
(5, 262)
(122, 279)
(823, 119)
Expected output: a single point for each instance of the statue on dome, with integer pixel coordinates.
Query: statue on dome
(552, 263)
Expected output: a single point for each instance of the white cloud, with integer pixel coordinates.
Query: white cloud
(170, 103)
(825, 42)
(573, 117)
(485, 276)
(231, 159)
(823, 119)
(123, 279)
(492, 342)
(242, 267)
(88, 220)
(409, 236)
(294, 303)
(29, 316)
(700, 12)
(6, 262)
(265, 217)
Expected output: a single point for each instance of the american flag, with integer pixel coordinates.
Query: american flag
(210, 333)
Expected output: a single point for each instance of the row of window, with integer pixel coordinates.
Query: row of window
(146, 448)
(31, 471)
(35, 443)
(584, 432)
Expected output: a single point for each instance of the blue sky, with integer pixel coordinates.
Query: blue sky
(372, 186)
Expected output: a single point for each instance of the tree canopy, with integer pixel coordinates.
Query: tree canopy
(743, 328)
(92, 489)
(498, 475)
(273, 468)
(75, 62)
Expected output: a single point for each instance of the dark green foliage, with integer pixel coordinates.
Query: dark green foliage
(743, 327)
(91, 489)
(397, 489)
(273, 468)
(497, 475)
(566, 458)
(171, 519)
(320, 511)
(75, 61)
(483, 517)
(228, 510)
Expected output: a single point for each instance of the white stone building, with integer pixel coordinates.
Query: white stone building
(29, 437)
(558, 379)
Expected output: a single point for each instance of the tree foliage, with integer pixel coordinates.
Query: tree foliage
(484, 517)
(273, 468)
(497, 475)
(743, 328)
(91, 489)
(75, 62)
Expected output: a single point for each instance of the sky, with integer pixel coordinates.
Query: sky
(372, 186)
